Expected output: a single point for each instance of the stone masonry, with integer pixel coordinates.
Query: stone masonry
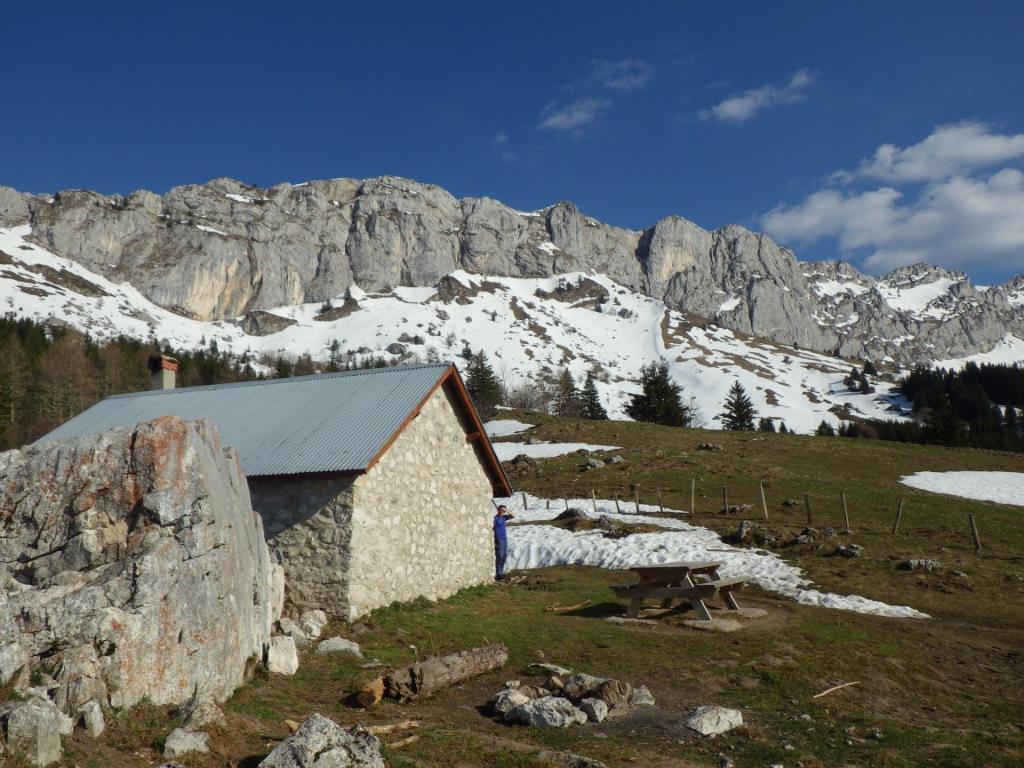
(417, 524)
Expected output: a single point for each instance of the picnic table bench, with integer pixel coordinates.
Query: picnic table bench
(668, 582)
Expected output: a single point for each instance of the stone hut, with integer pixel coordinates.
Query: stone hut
(374, 486)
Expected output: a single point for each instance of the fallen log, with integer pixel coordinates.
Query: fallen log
(405, 725)
(827, 691)
(437, 672)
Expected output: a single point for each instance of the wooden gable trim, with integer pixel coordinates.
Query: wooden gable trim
(476, 433)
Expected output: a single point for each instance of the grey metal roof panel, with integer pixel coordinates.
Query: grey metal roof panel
(335, 422)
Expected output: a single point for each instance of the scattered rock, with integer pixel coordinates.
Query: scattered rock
(724, 761)
(641, 697)
(33, 729)
(595, 709)
(555, 684)
(321, 743)
(547, 712)
(312, 623)
(918, 565)
(282, 657)
(790, 503)
(290, 628)
(395, 348)
(507, 700)
(200, 712)
(593, 463)
(339, 645)
(548, 669)
(181, 741)
(849, 550)
(737, 509)
(709, 447)
(713, 624)
(616, 459)
(90, 715)
(371, 693)
(581, 685)
(712, 720)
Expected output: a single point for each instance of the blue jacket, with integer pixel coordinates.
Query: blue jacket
(499, 528)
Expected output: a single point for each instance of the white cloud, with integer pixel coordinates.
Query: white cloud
(572, 116)
(949, 150)
(624, 75)
(743, 106)
(501, 137)
(955, 222)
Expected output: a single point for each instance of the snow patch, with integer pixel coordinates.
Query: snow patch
(541, 546)
(1000, 487)
(506, 427)
(508, 451)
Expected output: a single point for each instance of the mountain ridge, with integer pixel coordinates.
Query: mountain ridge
(222, 249)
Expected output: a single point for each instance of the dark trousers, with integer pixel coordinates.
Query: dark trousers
(500, 555)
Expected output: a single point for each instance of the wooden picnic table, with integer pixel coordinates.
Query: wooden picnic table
(668, 582)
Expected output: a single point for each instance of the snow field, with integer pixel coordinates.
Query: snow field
(540, 546)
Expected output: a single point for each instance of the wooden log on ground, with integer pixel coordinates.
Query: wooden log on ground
(524, 501)
(405, 725)
(437, 672)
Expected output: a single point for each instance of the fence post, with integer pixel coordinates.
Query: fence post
(617, 503)
(846, 512)
(764, 504)
(693, 495)
(725, 500)
(636, 497)
(974, 532)
(661, 504)
(524, 500)
(899, 514)
(807, 506)
(593, 498)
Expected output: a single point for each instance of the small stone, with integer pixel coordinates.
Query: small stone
(593, 463)
(547, 712)
(512, 684)
(540, 668)
(641, 697)
(90, 715)
(616, 459)
(339, 645)
(291, 628)
(180, 742)
(321, 743)
(724, 761)
(875, 735)
(581, 685)
(508, 699)
(34, 728)
(918, 565)
(849, 550)
(282, 657)
(291, 725)
(312, 623)
(595, 709)
(712, 720)
(788, 747)
(554, 683)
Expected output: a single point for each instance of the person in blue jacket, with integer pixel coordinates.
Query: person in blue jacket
(500, 542)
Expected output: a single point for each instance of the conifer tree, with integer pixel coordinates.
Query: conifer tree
(739, 412)
(825, 430)
(783, 429)
(869, 368)
(943, 425)
(660, 400)
(590, 400)
(766, 425)
(567, 398)
(482, 384)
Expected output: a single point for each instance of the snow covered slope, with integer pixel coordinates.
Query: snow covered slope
(528, 327)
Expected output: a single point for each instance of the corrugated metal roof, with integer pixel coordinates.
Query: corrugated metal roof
(333, 422)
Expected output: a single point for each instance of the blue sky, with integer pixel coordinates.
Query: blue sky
(884, 133)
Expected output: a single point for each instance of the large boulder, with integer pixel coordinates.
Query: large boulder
(33, 729)
(132, 566)
(322, 743)
(546, 712)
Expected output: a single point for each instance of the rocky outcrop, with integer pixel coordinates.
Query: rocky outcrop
(224, 249)
(132, 566)
(321, 743)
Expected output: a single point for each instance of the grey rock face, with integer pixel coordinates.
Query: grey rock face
(132, 566)
(321, 743)
(222, 249)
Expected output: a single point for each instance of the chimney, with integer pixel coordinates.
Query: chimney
(163, 370)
